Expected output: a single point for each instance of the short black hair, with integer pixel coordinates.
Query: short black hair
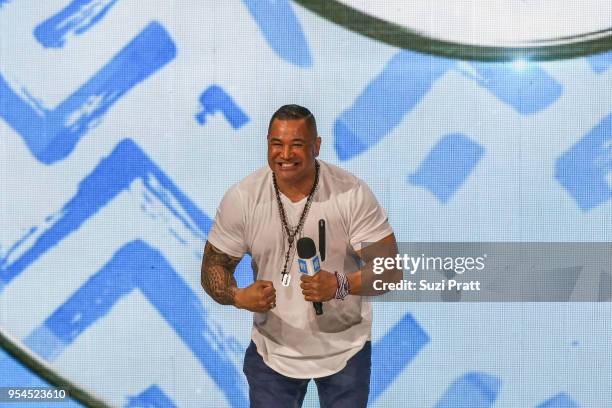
(295, 112)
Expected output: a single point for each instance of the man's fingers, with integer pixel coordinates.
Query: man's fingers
(308, 290)
(266, 304)
(312, 298)
(271, 302)
(306, 278)
(306, 285)
(308, 293)
(268, 290)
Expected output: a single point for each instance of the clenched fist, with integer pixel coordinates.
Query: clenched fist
(260, 296)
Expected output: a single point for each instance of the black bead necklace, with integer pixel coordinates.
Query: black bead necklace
(292, 232)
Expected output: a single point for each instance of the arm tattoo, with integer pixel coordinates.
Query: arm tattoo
(217, 275)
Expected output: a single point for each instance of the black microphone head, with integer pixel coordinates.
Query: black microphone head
(306, 248)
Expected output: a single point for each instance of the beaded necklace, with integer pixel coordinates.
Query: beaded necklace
(292, 232)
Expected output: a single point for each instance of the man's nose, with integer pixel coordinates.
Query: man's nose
(287, 152)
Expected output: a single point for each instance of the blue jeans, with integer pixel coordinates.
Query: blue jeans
(348, 388)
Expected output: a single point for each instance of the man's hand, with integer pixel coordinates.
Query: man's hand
(260, 296)
(320, 287)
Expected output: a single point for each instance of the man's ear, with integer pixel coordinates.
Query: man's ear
(317, 146)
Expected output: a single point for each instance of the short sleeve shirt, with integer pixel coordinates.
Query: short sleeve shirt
(291, 338)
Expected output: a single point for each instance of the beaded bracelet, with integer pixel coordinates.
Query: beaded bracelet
(343, 285)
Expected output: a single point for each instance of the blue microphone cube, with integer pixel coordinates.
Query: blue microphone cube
(303, 266)
(316, 264)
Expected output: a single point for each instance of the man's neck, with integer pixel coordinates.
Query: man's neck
(296, 191)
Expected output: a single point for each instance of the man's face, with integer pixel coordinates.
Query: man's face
(292, 148)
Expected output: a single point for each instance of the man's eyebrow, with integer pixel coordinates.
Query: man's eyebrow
(277, 139)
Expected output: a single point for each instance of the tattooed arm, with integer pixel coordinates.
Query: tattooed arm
(217, 277)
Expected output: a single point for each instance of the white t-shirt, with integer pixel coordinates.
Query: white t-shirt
(291, 338)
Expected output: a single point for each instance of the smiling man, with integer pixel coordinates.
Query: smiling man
(264, 215)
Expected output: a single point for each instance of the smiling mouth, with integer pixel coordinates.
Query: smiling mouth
(287, 166)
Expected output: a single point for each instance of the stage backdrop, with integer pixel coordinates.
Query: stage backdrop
(123, 122)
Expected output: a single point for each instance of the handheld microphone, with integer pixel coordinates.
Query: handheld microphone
(309, 263)
(322, 238)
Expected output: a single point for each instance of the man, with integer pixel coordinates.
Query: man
(264, 215)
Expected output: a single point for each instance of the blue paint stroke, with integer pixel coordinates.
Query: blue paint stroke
(382, 105)
(14, 374)
(559, 401)
(215, 99)
(14, 247)
(281, 29)
(152, 397)
(528, 90)
(472, 390)
(447, 165)
(113, 175)
(244, 273)
(138, 266)
(76, 18)
(600, 62)
(52, 134)
(403, 342)
(584, 168)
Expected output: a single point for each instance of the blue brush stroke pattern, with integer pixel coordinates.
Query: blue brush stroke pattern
(528, 90)
(152, 397)
(15, 374)
(281, 29)
(76, 18)
(114, 174)
(583, 170)
(472, 390)
(139, 266)
(243, 274)
(382, 105)
(559, 401)
(600, 62)
(403, 342)
(52, 134)
(215, 99)
(447, 165)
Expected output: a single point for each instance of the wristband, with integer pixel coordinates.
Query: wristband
(342, 282)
